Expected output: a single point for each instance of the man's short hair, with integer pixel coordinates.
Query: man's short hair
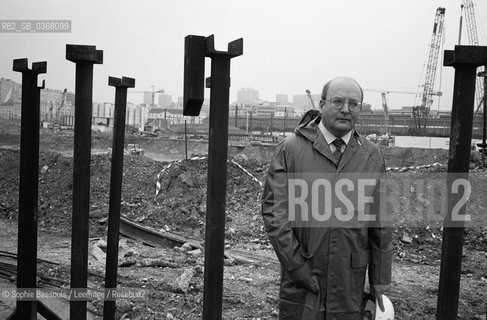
(324, 92)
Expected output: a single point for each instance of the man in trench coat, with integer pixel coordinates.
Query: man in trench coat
(324, 263)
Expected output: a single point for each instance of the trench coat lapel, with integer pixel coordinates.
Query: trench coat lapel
(350, 151)
(322, 147)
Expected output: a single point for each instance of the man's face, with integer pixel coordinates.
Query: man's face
(340, 122)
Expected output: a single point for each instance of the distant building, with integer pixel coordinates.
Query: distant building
(157, 113)
(282, 99)
(165, 100)
(137, 115)
(51, 103)
(179, 104)
(285, 111)
(9, 111)
(247, 96)
(264, 110)
(9, 90)
(50, 106)
(10, 99)
(172, 116)
(103, 110)
(148, 97)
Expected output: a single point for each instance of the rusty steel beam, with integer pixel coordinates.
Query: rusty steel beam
(465, 60)
(153, 238)
(29, 186)
(84, 57)
(121, 86)
(217, 175)
(483, 145)
(185, 141)
(195, 50)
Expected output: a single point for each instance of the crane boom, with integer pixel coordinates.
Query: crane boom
(311, 101)
(431, 67)
(421, 113)
(153, 93)
(435, 93)
(60, 107)
(473, 39)
(386, 112)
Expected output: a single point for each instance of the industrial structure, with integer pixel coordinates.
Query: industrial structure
(310, 97)
(53, 117)
(468, 11)
(421, 112)
(388, 120)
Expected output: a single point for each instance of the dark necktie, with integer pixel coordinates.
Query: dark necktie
(339, 143)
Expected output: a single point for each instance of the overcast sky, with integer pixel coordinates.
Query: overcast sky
(289, 46)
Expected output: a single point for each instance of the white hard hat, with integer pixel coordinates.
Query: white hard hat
(373, 311)
(388, 313)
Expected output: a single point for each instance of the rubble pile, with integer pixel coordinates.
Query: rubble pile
(180, 205)
(56, 184)
(421, 207)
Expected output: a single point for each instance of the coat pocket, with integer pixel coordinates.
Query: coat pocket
(360, 259)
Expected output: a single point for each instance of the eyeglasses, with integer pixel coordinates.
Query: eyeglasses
(338, 103)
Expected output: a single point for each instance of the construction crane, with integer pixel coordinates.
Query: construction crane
(60, 107)
(49, 116)
(468, 8)
(311, 101)
(421, 112)
(387, 119)
(387, 139)
(384, 94)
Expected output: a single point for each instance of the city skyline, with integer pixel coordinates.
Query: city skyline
(164, 100)
(11, 90)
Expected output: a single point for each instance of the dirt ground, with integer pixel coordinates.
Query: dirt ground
(173, 277)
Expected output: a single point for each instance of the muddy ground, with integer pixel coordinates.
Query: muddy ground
(173, 277)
